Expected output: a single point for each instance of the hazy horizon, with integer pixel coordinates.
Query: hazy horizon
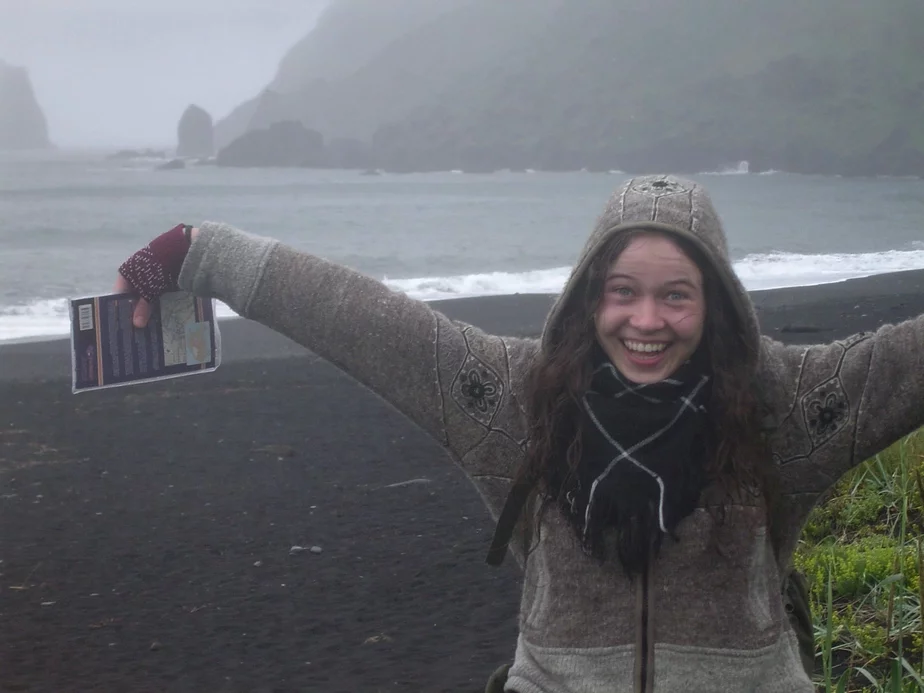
(108, 75)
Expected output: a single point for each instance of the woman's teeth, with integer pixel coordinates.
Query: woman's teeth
(645, 347)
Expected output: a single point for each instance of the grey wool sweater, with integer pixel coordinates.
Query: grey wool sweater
(701, 622)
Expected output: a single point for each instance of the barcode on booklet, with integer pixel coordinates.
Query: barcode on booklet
(85, 317)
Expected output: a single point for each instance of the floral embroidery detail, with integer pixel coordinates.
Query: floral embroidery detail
(660, 187)
(478, 390)
(826, 411)
(825, 416)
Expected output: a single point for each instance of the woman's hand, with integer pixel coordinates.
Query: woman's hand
(142, 312)
(154, 270)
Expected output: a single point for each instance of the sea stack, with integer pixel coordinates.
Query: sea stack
(22, 123)
(195, 135)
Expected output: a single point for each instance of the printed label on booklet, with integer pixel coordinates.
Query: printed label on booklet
(107, 350)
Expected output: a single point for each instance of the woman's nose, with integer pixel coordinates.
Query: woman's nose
(647, 316)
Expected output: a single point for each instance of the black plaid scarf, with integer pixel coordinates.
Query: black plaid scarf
(642, 465)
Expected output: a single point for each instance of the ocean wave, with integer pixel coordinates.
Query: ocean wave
(739, 169)
(742, 168)
(49, 317)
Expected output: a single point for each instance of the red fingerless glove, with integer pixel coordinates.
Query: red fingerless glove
(154, 270)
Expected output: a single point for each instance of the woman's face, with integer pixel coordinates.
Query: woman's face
(650, 317)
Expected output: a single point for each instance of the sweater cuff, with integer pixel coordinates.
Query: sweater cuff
(226, 263)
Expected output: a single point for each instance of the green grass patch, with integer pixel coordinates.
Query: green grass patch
(862, 553)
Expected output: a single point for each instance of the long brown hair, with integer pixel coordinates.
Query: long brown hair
(560, 376)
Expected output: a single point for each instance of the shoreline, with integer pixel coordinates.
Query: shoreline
(109, 153)
(813, 313)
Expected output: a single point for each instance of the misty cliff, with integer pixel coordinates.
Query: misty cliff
(832, 86)
(22, 123)
(348, 34)
(369, 62)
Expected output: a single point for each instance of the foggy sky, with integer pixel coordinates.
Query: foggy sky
(121, 72)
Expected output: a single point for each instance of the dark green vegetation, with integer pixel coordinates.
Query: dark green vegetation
(831, 86)
(862, 553)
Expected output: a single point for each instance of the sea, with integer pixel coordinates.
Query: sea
(68, 218)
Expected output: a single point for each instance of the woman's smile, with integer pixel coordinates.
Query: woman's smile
(645, 354)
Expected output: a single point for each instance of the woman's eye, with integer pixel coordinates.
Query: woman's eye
(676, 296)
(622, 291)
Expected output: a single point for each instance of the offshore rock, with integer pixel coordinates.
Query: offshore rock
(22, 123)
(195, 137)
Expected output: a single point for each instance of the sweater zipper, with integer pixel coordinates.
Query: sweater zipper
(645, 656)
(645, 644)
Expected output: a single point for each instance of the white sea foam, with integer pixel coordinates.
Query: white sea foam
(49, 318)
(739, 169)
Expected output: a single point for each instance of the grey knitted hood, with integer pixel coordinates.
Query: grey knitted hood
(668, 204)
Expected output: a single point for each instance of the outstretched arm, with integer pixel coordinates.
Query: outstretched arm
(451, 379)
(841, 403)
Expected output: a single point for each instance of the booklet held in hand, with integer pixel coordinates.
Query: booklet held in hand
(107, 350)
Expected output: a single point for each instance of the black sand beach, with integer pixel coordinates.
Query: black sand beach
(146, 532)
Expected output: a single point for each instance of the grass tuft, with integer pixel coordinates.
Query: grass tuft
(863, 556)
